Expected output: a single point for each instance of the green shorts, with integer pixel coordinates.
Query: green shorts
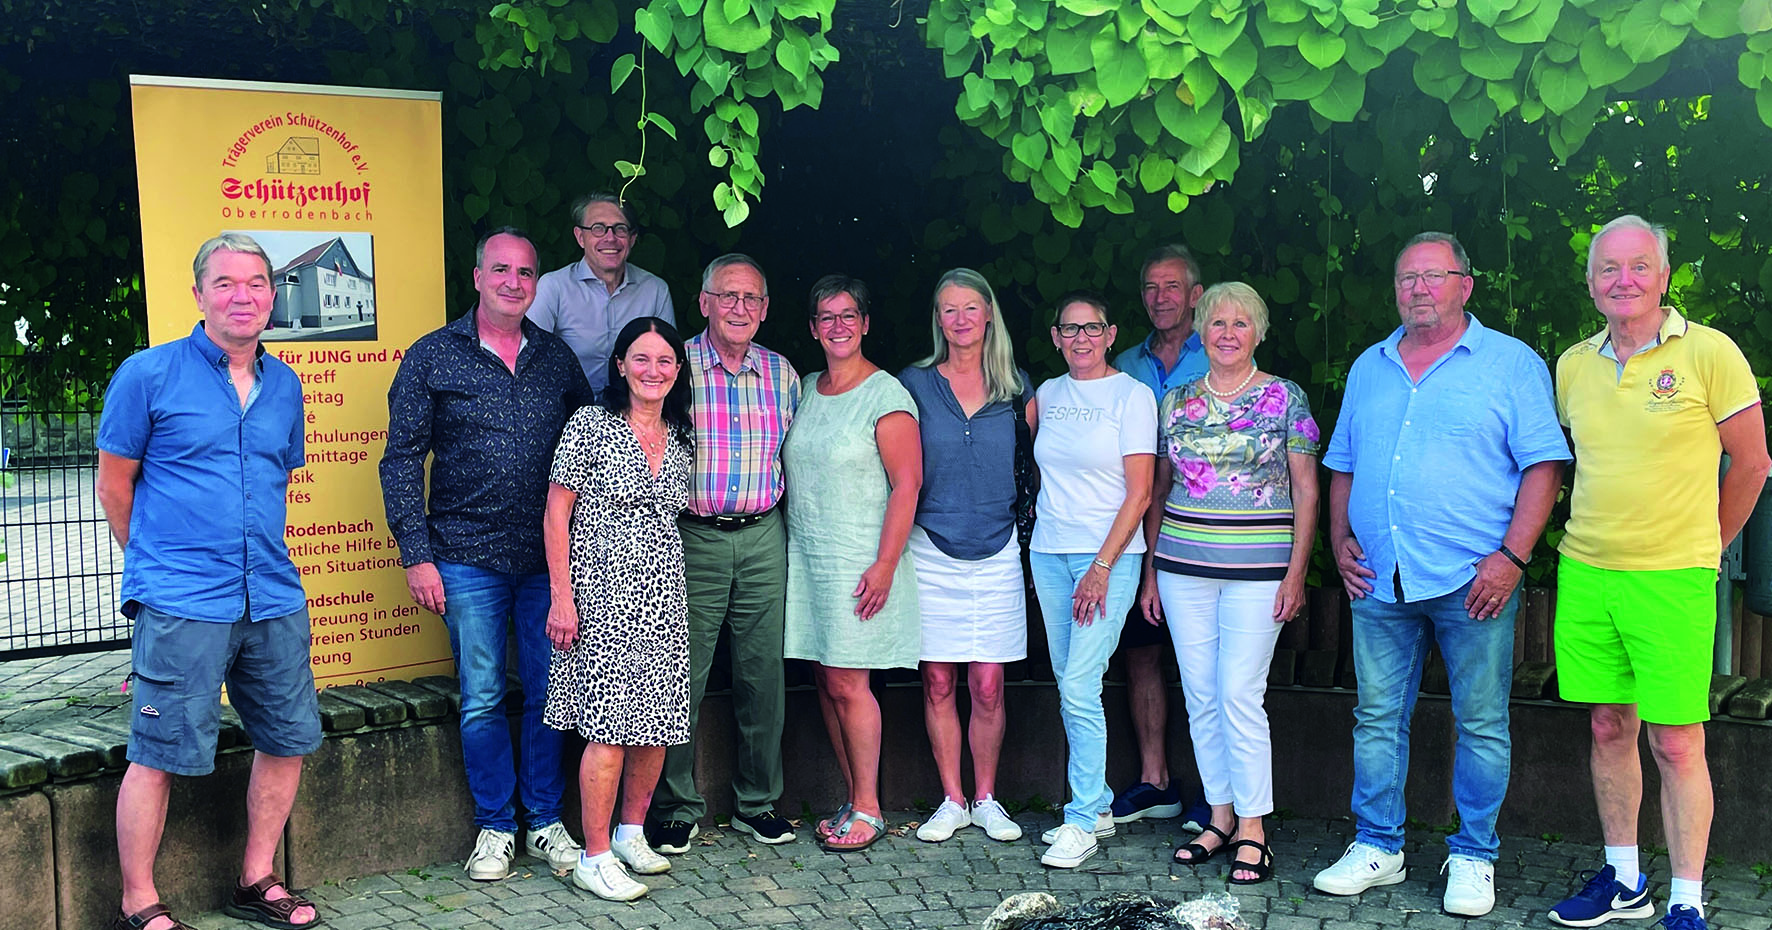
(1640, 638)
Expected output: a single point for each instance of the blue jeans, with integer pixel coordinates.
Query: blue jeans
(477, 603)
(1390, 648)
(1079, 659)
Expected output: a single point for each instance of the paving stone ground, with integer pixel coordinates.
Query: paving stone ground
(727, 881)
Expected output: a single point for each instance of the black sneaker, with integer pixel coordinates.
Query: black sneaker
(673, 836)
(768, 827)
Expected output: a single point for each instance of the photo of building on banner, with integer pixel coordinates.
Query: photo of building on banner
(342, 188)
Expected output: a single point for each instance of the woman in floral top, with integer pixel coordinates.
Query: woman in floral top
(1236, 484)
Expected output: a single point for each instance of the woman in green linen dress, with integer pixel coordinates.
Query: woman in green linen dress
(854, 464)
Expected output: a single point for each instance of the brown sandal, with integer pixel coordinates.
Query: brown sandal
(249, 903)
(146, 915)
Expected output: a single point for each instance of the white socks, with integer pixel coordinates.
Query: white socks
(607, 855)
(627, 831)
(1687, 891)
(1623, 860)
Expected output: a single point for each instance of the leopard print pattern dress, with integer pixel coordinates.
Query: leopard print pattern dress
(625, 680)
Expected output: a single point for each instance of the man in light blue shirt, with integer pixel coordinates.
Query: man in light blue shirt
(1170, 357)
(587, 302)
(1445, 461)
(195, 447)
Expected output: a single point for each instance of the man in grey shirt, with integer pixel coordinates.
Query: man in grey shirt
(587, 302)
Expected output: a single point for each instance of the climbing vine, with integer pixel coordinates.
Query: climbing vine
(733, 52)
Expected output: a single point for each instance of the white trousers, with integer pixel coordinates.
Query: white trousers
(1224, 634)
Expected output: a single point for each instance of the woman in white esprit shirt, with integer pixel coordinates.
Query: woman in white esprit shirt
(1095, 441)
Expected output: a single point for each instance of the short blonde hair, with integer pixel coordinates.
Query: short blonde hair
(1237, 294)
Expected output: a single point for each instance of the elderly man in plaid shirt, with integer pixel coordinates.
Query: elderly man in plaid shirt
(735, 552)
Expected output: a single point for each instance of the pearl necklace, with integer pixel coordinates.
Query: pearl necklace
(1225, 395)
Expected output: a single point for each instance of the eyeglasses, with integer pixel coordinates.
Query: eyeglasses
(1406, 281)
(730, 299)
(1068, 330)
(621, 230)
(847, 318)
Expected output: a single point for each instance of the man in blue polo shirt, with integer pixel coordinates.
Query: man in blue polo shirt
(1169, 357)
(195, 447)
(1445, 461)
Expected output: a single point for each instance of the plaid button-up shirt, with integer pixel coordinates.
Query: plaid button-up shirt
(740, 420)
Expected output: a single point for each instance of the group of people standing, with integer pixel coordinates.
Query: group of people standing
(619, 496)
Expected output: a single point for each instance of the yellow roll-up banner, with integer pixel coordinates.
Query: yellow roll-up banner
(343, 187)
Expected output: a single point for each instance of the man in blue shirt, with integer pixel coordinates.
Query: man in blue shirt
(1445, 461)
(195, 447)
(587, 302)
(1170, 357)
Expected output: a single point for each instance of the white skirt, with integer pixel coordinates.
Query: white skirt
(972, 611)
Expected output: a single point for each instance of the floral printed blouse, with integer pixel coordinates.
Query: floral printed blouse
(1229, 511)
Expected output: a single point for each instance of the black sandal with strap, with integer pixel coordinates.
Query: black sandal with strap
(1197, 853)
(1263, 867)
(145, 916)
(249, 903)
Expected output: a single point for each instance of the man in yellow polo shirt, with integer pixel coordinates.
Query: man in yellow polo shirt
(1651, 401)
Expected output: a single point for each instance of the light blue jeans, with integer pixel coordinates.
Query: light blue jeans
(1079, 659)
(479, 603)
(1390, 648)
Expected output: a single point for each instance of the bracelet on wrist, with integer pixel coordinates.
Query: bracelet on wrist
(1511, 557)
(1105, 566)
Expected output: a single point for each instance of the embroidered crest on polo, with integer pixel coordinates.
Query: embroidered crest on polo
(1667, 384)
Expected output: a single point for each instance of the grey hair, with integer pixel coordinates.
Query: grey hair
(582, 204)
(1630, 221)
(1002, 381)
(1171, 252)
(1235, 293)
(727, 261)
(480, 247)
(1451, 241)
(227, 242)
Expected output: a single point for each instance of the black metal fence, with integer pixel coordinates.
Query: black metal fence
(58, 564)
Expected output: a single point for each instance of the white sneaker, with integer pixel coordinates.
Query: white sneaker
(1363, 866)
(491, 860)
(990, 817)
(950, 816)
(639, 856)
(1071, 847)
(1470, 886)
(554, 844)
(1104, 827)
(607, 880)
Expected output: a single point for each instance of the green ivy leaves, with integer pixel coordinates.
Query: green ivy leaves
(1147, 83)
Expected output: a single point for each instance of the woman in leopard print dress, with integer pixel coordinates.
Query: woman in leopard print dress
(620, 673)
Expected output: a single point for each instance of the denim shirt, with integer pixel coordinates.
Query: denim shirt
(1436, 463)
(207, 525)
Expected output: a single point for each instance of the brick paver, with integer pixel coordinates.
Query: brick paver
(728, 882)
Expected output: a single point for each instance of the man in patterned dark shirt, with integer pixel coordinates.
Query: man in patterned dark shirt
(486, 397)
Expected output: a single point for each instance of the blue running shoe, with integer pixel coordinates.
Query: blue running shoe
(1197, 815)
(1603, 898)
(1682, 917)
(1147, 800)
